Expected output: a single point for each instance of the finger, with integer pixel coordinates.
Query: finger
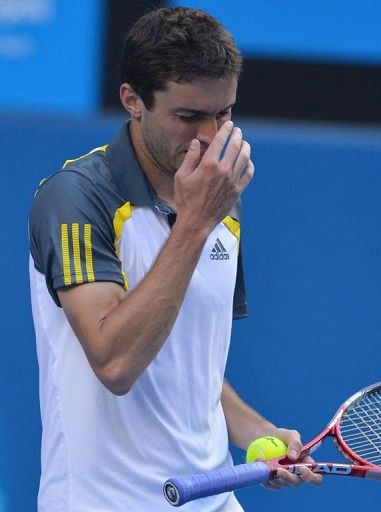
(271, 486)
(287, 479)
(242, 159)
(191, 158)
(278, 484)
(294, 450)
(218, 143)
(233, 148)
(294, 444)
(246, 175)
(310, 477)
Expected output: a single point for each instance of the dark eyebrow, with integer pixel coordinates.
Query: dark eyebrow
(195, 111)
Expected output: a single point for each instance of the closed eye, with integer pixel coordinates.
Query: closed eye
(224, 114)
(188, 118)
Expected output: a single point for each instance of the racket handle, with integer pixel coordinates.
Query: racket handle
(180, 490)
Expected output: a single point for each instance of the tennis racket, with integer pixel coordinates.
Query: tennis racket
(355, 428)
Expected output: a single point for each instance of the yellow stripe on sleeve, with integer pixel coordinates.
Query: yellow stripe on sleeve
(65, 254)
(88, 253)
(76, 253)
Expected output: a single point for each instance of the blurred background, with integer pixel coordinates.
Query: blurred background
(310, 104)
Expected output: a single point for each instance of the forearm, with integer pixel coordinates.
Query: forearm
(140, 324)
(244, 423)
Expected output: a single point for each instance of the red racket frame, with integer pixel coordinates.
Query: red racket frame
(360, 467)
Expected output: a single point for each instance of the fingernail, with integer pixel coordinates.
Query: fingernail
(193, 144)
(293, 454)
(229, 124)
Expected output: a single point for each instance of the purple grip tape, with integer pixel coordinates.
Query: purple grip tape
(181, 490)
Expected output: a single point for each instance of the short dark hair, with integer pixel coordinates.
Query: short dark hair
(178, 44)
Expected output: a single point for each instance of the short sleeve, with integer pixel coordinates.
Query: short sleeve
(71, 233)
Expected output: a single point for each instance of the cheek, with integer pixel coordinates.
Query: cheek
(184, 130)
(182, 137)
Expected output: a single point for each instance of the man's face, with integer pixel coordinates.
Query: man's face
(182, 112)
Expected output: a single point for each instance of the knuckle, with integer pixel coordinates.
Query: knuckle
(250, 168)
(248, 171)
(210, 163)
(246, 149)
(179, 177)
(225, 168)
(295, 434)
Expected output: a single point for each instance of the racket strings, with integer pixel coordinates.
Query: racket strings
(360, 427)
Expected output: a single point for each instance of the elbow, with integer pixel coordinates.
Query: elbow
(118, 391)
(117, 388)
(118, 382)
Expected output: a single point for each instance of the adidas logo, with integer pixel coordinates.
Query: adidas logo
(219, 252)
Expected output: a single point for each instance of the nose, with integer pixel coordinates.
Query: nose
(207, 129)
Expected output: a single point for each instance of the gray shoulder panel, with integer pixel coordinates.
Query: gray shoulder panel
(71, 229)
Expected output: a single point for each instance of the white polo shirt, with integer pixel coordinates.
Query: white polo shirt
(99, 219)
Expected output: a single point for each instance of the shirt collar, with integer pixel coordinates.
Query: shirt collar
(128, 175)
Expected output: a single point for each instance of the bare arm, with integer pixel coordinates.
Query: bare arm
(122, 334)
(245, 424)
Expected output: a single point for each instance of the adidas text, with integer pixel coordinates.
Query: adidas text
(219, 256)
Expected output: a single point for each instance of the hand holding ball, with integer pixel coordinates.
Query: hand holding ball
(265, 448)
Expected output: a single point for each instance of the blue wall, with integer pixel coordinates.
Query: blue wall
(51, 55)
(312, 247)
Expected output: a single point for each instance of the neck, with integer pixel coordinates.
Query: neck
(160, 179)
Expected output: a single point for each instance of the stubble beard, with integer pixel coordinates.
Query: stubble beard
(157, 152)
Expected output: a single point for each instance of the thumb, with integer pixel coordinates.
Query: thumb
(293, 441)
(191, 159)
(294, 447)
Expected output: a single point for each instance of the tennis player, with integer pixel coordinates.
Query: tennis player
(136, 275)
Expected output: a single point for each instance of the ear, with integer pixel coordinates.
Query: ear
(131, 101)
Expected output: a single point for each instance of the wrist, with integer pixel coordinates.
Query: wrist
(259, 430)
(190, 227)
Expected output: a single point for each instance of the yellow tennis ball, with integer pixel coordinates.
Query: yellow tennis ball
(265, 448)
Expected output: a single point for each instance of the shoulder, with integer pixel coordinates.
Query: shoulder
(90, 169)
(82, 185)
